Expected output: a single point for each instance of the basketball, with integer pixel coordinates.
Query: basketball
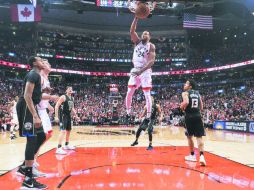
(142, 11)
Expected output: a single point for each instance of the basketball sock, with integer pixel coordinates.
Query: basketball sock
(148, 103)
(192, 153)
(66, 143)
(59, 146)
(28, 172)
(201, 153)
(128, 99)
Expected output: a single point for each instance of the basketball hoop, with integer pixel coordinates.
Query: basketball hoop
(132, 5)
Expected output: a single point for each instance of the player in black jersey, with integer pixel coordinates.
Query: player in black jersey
(156, 112)
(65, 120)
(29, 121)
(192, 105)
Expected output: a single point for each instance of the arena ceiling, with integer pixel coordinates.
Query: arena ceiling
(84, 14)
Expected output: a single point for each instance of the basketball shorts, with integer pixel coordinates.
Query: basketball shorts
(194, 126)
(46, 123)
(25, 120)
(149, 127)
(144, 80)
(65, 122)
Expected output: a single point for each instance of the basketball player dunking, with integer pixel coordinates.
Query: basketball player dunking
(143, 59)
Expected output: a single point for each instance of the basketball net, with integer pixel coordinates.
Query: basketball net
(132, 5)
(34, 2)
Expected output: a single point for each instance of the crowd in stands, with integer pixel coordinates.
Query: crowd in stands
(111, 53)
(233, 101)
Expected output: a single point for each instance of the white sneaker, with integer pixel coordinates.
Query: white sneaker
(202, 160)
(36, 164)
(69, 147)
(37, 173)
(191, 158)
(60, 151)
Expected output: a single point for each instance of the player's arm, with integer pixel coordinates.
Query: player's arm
(151, 59)
(29, 88)
(75, 113)
(185, 102)
(160, 113)
(58, 104)
(51, 109)
(134, 35)
(49, 97)
(201, 104)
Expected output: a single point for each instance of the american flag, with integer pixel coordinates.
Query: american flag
(197, 21)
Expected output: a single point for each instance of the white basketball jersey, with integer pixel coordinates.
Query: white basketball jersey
(140, 54)
(44, 84)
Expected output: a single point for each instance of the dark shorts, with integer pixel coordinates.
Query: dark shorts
(149, 126)
(25, 119)
(65, 122)
(194, 126)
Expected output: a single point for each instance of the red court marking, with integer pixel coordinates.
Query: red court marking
(136, 168)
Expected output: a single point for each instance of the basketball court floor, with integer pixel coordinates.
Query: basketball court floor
(104, 160)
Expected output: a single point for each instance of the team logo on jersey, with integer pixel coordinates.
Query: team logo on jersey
(28, 126)
(141, 51)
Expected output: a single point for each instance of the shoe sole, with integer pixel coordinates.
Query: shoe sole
(28, 188)
(61, 153)
(69, 148)
(191, 160)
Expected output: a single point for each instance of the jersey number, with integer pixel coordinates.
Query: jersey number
(194, 103)
(141, 54)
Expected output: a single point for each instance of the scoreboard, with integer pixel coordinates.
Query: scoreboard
(112, 3)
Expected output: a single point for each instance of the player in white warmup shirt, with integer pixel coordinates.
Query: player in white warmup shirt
(143, 59)
(14, 120)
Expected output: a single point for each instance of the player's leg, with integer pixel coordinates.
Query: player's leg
(132, 85)
(137, 136)
(12, 133)
(146, 83)
(199, 133)
(150, 135)
(189, 134)
(67, 137)
(63, 125)
(25, 120)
